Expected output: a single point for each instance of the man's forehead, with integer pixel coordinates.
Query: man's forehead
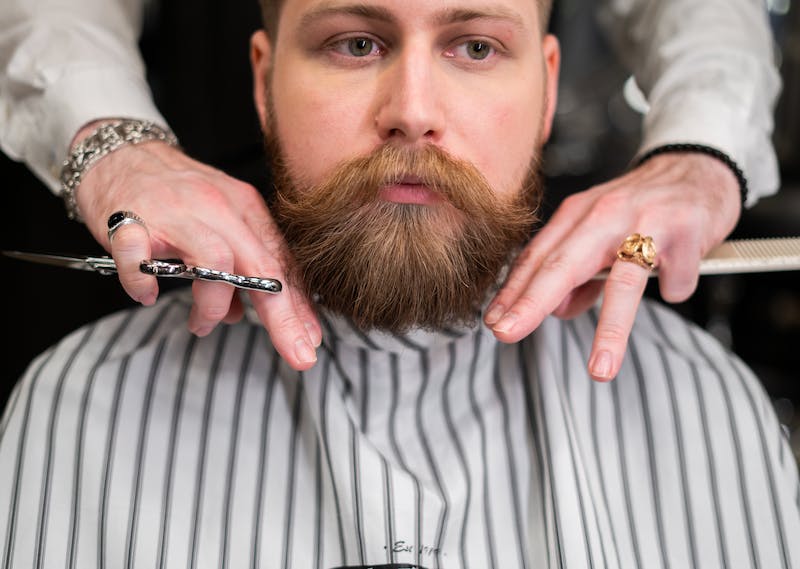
(522, 14)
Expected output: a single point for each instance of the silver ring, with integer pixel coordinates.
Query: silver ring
(120, 218)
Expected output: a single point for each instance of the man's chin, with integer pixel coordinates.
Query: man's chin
(395, 267)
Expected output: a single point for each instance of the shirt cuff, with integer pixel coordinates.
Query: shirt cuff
(693, 118)
(40, 133)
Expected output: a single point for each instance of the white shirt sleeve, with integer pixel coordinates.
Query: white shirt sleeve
(62, 65)
(707, 70)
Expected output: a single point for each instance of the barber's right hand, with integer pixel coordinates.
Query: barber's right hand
(206, 218)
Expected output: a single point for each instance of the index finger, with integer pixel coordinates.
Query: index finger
(290, 329)
(291, 323)
(524, 302)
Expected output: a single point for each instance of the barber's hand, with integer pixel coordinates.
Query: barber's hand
(688, 203)
(206, 218)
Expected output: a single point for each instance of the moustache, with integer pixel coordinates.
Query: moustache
(358, 182)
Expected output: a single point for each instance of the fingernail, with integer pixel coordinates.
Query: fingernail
(148, 300)
(203, 331)
(506, 324)
(314, 334)
(600, 365)
(304, 352)
(494, 314)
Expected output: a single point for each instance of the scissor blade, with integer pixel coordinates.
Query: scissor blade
(54, 260)
(156, 267)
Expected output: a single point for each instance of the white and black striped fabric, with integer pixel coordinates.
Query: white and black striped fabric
(133, 444)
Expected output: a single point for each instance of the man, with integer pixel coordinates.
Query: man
(405, 137)
(710, 81)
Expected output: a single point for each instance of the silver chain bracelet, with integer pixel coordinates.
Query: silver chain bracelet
(107, 138)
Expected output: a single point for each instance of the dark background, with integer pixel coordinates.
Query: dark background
(197, 56)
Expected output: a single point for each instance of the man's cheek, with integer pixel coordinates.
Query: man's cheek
(323, 137)
(508, 159)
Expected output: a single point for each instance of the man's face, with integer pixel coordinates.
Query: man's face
(472, 77)
(344, 79)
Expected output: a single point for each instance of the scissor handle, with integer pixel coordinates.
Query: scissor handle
(253, 283)
(161, 268)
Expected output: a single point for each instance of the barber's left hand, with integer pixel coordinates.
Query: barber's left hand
(687, 202)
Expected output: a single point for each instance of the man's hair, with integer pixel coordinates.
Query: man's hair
(271, 11)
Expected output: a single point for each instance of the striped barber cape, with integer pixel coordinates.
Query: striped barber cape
(133, 444)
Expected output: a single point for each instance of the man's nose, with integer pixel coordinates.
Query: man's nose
(410, 110)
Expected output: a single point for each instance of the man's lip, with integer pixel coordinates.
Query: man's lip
(410, 191)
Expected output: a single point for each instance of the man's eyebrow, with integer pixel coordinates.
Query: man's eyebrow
(328, 9)
(459, 15)
(381, 14)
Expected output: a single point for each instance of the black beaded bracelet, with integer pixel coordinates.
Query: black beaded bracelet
(718, 154)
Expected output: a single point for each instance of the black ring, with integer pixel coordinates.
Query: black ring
(120, 218)
(115, 218)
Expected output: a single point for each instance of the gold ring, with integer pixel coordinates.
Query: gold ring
(639, 250)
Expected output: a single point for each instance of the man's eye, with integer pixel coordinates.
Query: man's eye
(355, 47)
(360, 47)
(473, 50)
(477, 49)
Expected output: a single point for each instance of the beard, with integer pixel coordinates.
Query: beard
(394, 266)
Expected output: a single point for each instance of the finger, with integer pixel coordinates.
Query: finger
(248, 253)
(576, 261)
(295, 333)
(307, 315)
(236, 311)
(243, 239)
(624, 288)
(259, 251)
(267, 253)
(212, 303)
(276, 263)
(130, 244)
(579, 300)
(275, 259)
(547, 240)
(679, 270)
(286, 329)
(518, 278)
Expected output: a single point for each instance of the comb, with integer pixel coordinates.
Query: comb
(753, 256)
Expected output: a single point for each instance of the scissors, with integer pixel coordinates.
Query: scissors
(155, 267)
(733, 256)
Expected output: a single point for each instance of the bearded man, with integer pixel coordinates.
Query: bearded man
(405, 138)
